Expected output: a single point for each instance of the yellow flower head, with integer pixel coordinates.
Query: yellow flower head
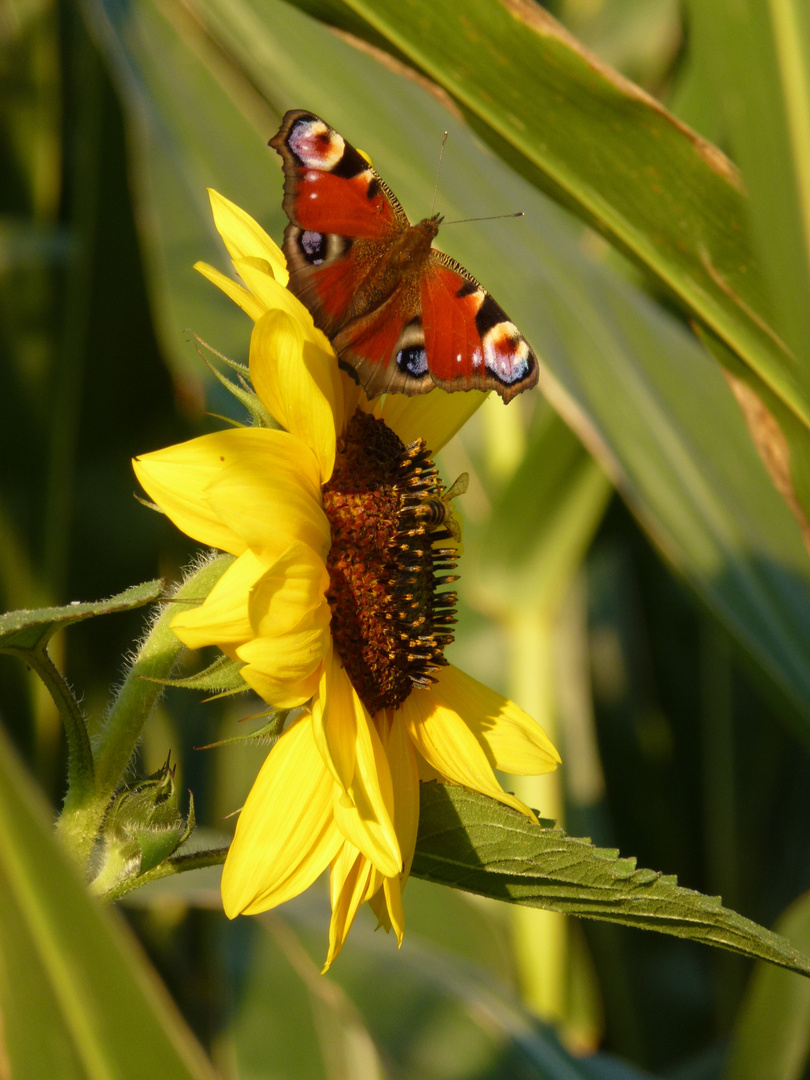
(335, 606)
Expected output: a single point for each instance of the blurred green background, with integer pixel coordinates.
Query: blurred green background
(631, 576)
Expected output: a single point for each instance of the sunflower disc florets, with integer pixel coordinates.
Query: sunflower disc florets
(390, 624)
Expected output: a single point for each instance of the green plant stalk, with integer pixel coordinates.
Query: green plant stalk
(156, 658)
(177, 864)
(81, 771)
(138, 696)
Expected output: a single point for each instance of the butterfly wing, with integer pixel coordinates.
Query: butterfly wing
(385, 349)
(343, 219)
(439, 329)
(470, 342)
(401, 316)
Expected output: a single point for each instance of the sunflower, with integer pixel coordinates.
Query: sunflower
(337, 606)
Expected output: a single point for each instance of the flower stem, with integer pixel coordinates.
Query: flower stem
(142, 688)
(81, 771)
(178, 864)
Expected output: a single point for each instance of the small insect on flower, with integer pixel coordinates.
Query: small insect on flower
(436, 511)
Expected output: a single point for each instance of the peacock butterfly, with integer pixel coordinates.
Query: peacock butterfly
(401, 316)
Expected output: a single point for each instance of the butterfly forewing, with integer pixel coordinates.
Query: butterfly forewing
(402, 316)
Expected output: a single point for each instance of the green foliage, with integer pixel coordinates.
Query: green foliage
(77, 997)
(692, 660)
(479, 845)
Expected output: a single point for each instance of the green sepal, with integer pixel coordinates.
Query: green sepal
(268, 732)
(241, 390)
(222, 677)
(143, 827)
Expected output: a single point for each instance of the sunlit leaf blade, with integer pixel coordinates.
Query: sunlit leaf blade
(21, 630)
(542, 523)
(660, 417)
(760, 63)
(782, 440)
(609, 150)
(772, 1032)
(78, 999)
(479, 845)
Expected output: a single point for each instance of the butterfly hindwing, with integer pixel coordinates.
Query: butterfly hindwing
(401, 316)
(385, 349)
(470, 341)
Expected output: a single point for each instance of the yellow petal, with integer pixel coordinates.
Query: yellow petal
(511, 739)
(387, 906)
(434, 417)
(232, 289)
(444, 739)
(223, 618)
(282, 693)
(298, 383)
(426, 771)
(289, 592)
(351, 749)
(353, 399)
(334, 720)
(351, 880)
(269, 494)
(178, 478)
(285, 836)
(401, 756)
(378, 905)
(243, 237)
(290, 657)
(270, 293)
(367, 820)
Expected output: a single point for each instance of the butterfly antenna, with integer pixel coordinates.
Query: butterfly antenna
(438, 173)
(492, 217)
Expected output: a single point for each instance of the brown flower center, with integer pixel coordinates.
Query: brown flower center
(388, 511)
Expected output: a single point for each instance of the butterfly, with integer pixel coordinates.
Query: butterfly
(402, 317)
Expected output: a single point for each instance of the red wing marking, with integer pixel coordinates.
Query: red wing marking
(452, 341)
(326, 203)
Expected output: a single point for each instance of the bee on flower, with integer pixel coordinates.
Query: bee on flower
(337, 605)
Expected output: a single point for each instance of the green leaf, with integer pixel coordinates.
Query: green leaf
(771, 1040)
(604, 147)
(29, 630)
(760, 64)
(78, 999)
(782, 441)
(479, 845)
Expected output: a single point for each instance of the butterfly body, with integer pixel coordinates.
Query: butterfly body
(402, 316)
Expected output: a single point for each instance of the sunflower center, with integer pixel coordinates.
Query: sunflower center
(390, 520)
